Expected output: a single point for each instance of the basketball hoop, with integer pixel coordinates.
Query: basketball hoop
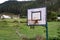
(37, 16)
(36, 22)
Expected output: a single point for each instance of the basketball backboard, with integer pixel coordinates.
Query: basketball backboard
(37, 16)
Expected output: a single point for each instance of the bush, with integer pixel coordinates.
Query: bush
(52, 16)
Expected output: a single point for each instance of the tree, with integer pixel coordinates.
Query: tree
(52, 16)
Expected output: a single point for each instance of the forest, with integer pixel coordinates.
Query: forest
(21, 7)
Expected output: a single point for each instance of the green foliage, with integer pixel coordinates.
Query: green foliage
(8, 27)
(52, 16)
(58, 32)
(19, 7)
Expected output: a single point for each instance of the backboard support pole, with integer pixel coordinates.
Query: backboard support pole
(46, 31)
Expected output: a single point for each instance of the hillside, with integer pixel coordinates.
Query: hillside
(18, 7)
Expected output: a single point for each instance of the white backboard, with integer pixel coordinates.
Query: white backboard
(37, 16)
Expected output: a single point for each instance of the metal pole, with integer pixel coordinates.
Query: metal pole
(46, 31)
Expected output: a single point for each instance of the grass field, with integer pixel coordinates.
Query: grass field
(8, 32)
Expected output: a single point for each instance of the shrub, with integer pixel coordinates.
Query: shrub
(52, 16)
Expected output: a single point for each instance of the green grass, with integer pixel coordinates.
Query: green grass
(7, 30)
